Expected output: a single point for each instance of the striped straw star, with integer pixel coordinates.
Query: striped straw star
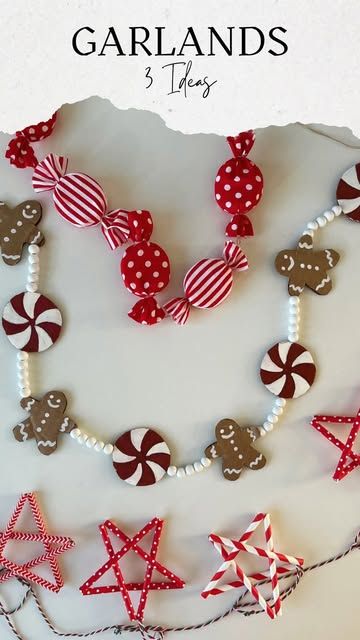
(279, 564)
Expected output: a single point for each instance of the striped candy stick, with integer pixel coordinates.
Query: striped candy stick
(343, 467)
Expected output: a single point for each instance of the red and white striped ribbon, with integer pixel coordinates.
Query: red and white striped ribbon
(115, 228)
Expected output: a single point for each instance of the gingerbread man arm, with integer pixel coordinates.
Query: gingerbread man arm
(35, 236)
(23, 430)
(213, 451)
(67, 425)
(28, 403)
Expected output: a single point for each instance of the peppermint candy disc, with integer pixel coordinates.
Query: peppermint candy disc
(208, 283)
(288, 370)
(145, 268)
(141, 457)
(348, 193)
(31, 322)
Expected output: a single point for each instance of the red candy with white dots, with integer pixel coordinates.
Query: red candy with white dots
(239, 185)
(145, 269)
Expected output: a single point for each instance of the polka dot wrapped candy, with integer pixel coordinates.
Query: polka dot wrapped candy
(239, 185)
(145, 269)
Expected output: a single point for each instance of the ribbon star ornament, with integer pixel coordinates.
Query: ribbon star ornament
(348, 460)
(53, 546)
(148, 584)
(229, 549)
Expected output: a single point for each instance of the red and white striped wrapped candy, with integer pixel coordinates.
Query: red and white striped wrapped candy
(208, 283)
(78, 198)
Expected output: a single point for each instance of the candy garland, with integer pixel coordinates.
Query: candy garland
(145, 266)
(242, 606)
(33, 323)
(140, 456)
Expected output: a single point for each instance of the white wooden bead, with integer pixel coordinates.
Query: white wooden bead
(22, 365)
(189, 470)
(34, 258)
(33, 277)
(280, 402)
(198, 466)
(277, 411)
(294, 300)
(293, 337)
(34, 268)
(329, 215)
(313, 225)
(272, 418)
(337, 210)
(206, 462)
(268, 426)
(262, 432)
(99, 445)
(172, 470)
(321, 220)
(180, 472)
(22, 355)
(25, 392)
(108, 449)
(82, 438)
(32, 287)
(33, 249)
(74, 433)
(90, 442)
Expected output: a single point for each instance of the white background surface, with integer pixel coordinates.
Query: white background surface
(118, 374)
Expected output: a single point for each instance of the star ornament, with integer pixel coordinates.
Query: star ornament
(349, 460)
(279, 565)
(112, 564)
(54, 545)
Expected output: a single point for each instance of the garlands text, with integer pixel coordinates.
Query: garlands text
(180, 75)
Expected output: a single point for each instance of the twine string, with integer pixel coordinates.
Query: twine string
(158, 632)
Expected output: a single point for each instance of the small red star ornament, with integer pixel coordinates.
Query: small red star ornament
(54, 545)
(148, 584)
(229, 549)
(348, 460)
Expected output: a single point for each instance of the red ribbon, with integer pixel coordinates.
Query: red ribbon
(20, 151)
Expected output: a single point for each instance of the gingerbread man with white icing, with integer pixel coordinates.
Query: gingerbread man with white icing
(234, 444)
(45, 422)
(306, 267)
(17, 228)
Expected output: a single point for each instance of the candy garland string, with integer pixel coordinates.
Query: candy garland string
(129, 451)
(246, 608)
(145, 266)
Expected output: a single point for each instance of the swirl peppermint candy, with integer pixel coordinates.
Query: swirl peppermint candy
(288, 370)
(141, 457)
(31, 322)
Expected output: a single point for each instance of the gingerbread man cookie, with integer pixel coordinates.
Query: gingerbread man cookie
(18, 227)
(306, 267)
(234, 444)
(46, 421)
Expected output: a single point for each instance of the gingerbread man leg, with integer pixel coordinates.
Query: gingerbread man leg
(231, 472)
(254, 459)
(296, 284)
(23, 431)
